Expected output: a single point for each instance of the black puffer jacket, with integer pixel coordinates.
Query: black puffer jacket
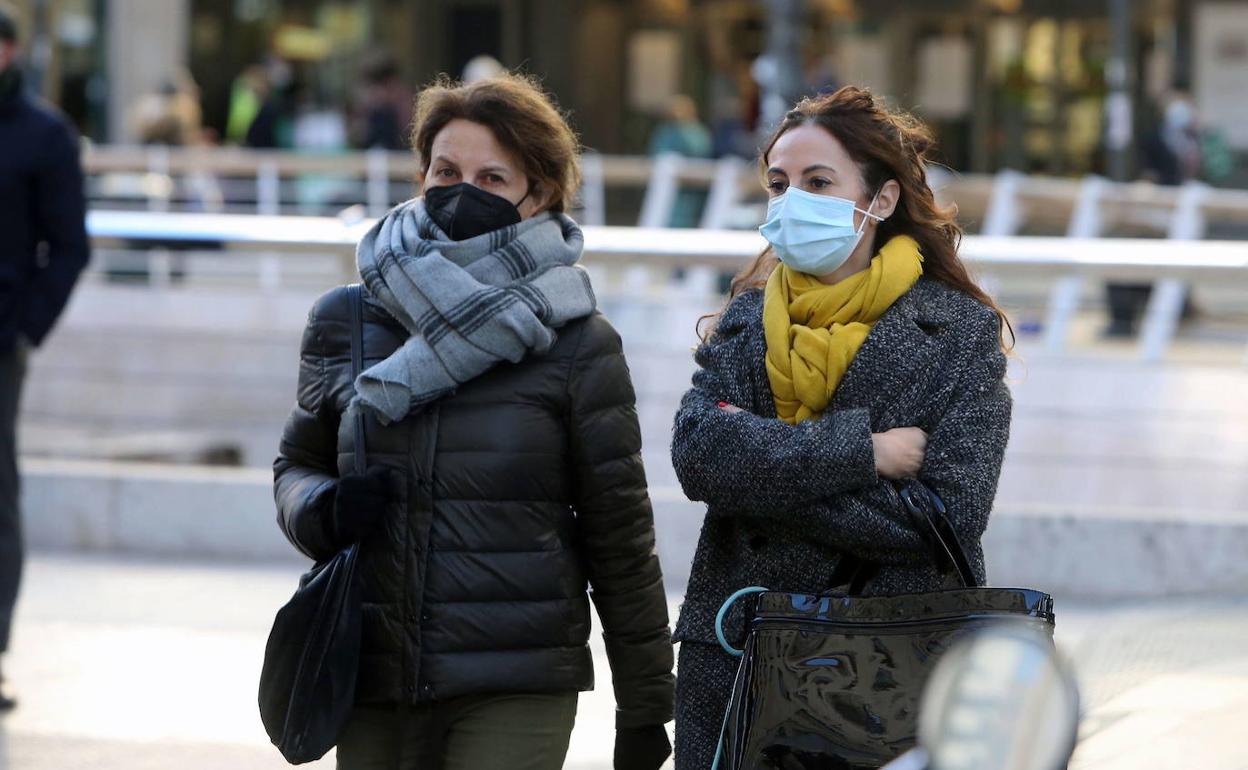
(515, 493)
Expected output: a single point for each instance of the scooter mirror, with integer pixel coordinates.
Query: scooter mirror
(1000, 700)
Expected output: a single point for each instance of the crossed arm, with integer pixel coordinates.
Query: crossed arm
(823, 474)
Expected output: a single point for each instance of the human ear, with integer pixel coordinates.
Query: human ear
(887, 199)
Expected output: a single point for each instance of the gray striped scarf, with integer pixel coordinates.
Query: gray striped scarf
(469, 305)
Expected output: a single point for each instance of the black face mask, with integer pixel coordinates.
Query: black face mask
(465, 211)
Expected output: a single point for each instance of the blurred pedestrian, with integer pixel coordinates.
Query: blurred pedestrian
(820, 75)
(1181, 133)
(682, 133)
(482, 67)
(274, 123)
(1171, 153)
(171, 115)
(504, 468)
(384, 112)
(729, 133)
(855, 351)
(43, 248)
(248, 92)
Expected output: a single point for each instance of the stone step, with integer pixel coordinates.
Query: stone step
(223, 513)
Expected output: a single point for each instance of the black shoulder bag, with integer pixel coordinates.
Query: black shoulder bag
(833, 681)
(307, 685)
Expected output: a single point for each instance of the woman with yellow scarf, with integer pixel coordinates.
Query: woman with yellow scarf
(856, 351)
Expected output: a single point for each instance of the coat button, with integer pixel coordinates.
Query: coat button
(426, 616)
(427, 689)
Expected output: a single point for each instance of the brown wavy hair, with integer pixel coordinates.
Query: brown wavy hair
(523, 118)
(886, 144)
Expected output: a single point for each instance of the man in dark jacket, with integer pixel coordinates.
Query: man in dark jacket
(43, 248)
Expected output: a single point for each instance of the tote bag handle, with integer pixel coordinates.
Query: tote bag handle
(930, 519)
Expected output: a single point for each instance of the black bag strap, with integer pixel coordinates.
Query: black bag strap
(355, 293)
(931, 521)
(852, 574)
(927, 512)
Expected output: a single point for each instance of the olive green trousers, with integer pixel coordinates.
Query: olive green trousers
(488, 732)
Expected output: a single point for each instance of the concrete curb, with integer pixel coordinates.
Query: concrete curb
(170, 510)
(227, 513)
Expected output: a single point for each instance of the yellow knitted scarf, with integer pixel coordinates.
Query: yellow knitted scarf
(814, 330)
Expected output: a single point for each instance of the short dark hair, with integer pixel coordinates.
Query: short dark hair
(524, 119)
(8, 23)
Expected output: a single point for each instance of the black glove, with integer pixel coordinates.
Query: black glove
(641, 748)
(359, 503)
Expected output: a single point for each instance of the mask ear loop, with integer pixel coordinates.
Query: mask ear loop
(527, 193)
(862, 227)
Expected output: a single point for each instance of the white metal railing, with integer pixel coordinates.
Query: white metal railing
(272, 182)
(699, 256)
(238, 180)
(1094, 206)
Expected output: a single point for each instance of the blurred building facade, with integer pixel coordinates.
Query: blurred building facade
(1006, 83)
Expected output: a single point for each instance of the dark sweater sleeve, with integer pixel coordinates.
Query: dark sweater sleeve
(962, 465)
(305, 471)
(750, 465)
(60, 222)
(615, 528)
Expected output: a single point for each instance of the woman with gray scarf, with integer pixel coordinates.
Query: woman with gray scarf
(504, 471)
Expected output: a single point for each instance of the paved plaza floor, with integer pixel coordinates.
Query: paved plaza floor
(152, 665)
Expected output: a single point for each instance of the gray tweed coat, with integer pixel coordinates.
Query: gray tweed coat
(783, 502)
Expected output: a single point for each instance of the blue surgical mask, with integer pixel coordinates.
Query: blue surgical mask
(814, 234)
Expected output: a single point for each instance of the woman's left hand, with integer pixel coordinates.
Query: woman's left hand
(641, 748)
(729, 408)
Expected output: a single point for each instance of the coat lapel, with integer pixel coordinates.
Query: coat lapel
(901, 346)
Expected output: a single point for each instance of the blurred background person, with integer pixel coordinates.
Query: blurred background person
(482, 67)
(43, 248)
(1181, 134)
(384, 112)
(1171, 151)
(171, 115)
(731, 133)
(274, 123)
(683, 134)
(247, 93)
(821, 75)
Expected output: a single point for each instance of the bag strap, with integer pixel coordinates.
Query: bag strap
(930, 519)
(928, 513)
(853, 574)
(355, 293)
